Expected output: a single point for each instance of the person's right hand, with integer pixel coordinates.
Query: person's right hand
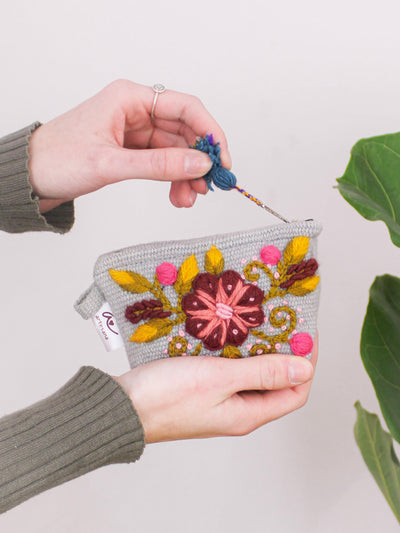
(195, 397)
(112, 137)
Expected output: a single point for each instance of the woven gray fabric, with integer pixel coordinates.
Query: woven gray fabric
(238, 250)
(88, 423)
(19, 208)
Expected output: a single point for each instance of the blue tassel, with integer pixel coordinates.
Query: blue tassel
(218, 175)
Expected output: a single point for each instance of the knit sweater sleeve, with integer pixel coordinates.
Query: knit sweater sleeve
(88, 423)
(19, 207)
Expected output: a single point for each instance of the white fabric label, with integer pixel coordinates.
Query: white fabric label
(107, 328)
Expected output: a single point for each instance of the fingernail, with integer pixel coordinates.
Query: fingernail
(197, 165)
(300, 371)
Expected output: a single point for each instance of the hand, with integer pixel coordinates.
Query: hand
(195, 397)
(111, 137)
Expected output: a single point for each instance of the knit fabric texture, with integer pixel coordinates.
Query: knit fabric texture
(19, 207)
(234, 295)
(88, 423)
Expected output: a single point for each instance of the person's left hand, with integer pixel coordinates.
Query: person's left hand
(111, 137)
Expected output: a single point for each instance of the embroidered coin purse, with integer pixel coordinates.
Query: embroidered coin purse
(234, 295)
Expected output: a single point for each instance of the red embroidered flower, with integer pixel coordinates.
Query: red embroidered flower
(222, 309)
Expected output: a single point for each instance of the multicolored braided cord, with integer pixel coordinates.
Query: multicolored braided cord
(223, 178)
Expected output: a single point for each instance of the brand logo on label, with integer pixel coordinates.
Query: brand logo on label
(107, 328)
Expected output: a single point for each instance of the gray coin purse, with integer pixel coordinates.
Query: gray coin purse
(235, 295)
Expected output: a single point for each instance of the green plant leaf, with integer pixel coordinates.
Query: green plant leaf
(380, 347)
(371, 182)
(376, 446)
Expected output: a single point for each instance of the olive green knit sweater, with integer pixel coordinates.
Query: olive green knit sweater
(88, 423)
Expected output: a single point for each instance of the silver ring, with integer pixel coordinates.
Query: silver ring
(158, 88)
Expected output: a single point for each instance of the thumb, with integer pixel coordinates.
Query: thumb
(162, 164)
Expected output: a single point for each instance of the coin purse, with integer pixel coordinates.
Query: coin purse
(234, 295)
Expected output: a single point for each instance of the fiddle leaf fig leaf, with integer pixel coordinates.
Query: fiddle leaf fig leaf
(376, 446)
(371, 182)
(380, 347)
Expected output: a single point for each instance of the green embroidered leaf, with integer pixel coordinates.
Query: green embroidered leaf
(152, 330)
(371, 181)
(376, 446)
(231, 352)
(304, 286)
(130, 281)
(296, 250)
(214, 261)
(380, 347)
(187, 272)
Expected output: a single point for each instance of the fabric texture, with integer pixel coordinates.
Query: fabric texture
(19, 208)
(88, 423)
(234, 295)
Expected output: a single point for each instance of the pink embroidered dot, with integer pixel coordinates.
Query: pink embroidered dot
(258, 341)
(169, 339)
(178, 345)
(278, 346)
(165, 351)
(301, 320)
(269, 265)
(288, 318)
(270, 307)
(283, 328)
(235, 331)
(259, 351)
(254, 258)
(301, 344)
(294, 332)
(254, 283)
(242, 276)
(243, 261)
(268, 346)
(279, 314)
(299, 309)
(254, 270)
(271, 328)
(229, 287)
(270, 255)
(285, 302)
(181, 333)
(248, 347)
(277, 275)
(189, 346)
(265, 319)
(184, 354)
(166, 273)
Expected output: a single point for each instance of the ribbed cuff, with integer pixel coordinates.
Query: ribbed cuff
(88, 423)
(19, 207)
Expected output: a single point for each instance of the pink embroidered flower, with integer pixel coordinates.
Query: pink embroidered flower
(270, 255)
(222, 309)
(301, 344)
(166, 273)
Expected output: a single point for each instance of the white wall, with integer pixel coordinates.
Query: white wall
(294, 85)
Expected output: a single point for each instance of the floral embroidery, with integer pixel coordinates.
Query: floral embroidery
(222, 308)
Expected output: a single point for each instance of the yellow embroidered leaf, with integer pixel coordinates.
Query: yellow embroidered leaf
(296, 250)
(214, 261)
(130, 281)
(152, 330)
(304, 286)
(186, 275)
(231, 352)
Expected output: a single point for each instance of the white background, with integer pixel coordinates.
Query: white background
(294, 85)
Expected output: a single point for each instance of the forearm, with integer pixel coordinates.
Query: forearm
(88, 423)
(19, 206)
